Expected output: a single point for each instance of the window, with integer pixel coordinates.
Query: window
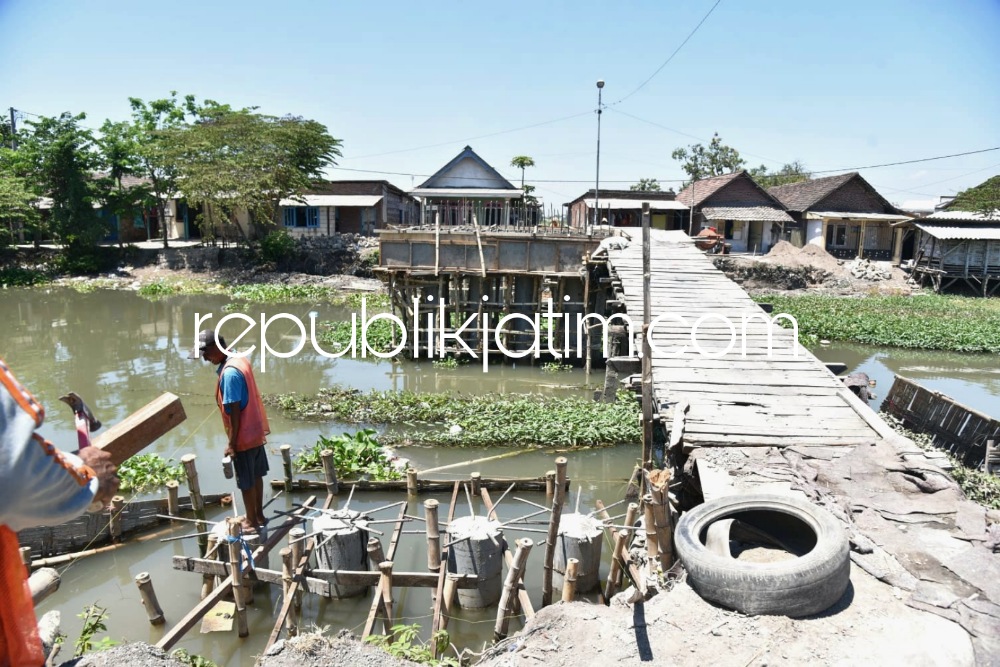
(836, 235)
(729, 230)
(301, 216)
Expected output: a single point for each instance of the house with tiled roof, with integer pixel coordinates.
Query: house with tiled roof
(751, 219)
(623, 208)
(845, 215)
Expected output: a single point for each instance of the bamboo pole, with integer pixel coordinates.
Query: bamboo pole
(509, 597)
(42, 583)
(437, 620)
(569, 581)
(25, 553)
(433, 535)
(375, 554)
(586, 305)
(292, 619)
(69, 558)
(412, 482)
(148, 595)
(236, 535)
(210, 582)
(550, 484)
(652, 546)
(173, 500)
(197, 502)
(664, 529)
(329, 472)
(450, 586)
(553, 534)
(475, 479)
(296, 540)
(115, 522)
(385, 586)
(286, 464)
(615, 574)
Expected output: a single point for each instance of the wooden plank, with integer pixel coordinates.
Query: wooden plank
(714, 439)
(141, 428)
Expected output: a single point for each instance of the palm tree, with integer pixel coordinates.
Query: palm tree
(522, 162)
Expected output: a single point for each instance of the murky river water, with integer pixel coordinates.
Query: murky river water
(119, 351)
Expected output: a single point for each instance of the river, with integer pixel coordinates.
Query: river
(119, 351)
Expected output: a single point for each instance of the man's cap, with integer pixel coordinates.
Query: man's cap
(206, 338)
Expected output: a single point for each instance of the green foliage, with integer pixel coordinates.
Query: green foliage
(983, 198)
(447, 362)
(94, 622)
(522, 162)
(486, 420)
(17, 210)
(16, 276)
(354, 455)
(792, 172)
(281, 293)
(181, 655)
(147, 471)
(699, 161)
(158, 289)
(277, 246)
(405, 643)
(339, 334)
(933, 322)
(555, 367)
(646, 185)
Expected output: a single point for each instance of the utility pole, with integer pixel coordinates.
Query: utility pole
(597, 178)
(13, 129)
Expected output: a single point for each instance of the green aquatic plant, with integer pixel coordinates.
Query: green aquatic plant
(158, 289)
(924, 321)
(354, 455)
(147, 471)
(94, 622)
(404, 642)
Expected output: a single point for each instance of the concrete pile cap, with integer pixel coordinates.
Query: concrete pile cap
(580, 525)
(474, 527)
(339, 522)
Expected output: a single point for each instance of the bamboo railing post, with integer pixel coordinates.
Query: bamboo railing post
(296, 539)
(286, 464)
(569, 581)
(553, 533)
(115, 523)
(148, 595)
(550, 484)
(173, 501)
(209, 582)
(450, 586)
(329, 472)
(433, 535)
(509, 597)
(292, 619)
(475, 480)
(385, 583)
(652, 546)
(197, 502)
(412, 482)
(25, 553)
(631, 516)
(236, 536)
(664, 529)
(616, 574)
(375, 553)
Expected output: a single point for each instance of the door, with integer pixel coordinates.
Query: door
(755, 236)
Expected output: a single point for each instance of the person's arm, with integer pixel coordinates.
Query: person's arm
(234, 427)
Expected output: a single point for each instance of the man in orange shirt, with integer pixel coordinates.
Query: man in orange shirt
(245, 421)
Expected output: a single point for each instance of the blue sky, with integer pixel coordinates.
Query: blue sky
(834, 84)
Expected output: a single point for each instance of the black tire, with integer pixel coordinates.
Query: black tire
(807, 585)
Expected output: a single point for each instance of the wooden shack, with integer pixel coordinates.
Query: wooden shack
(952, 246)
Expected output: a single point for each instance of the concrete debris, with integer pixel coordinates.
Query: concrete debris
(865, 269)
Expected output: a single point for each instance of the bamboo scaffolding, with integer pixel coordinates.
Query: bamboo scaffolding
(441, 601)
(550, 541)
(522, 595)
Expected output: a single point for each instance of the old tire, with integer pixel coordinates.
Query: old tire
(806, 585)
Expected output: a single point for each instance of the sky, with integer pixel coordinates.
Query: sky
(405, 86)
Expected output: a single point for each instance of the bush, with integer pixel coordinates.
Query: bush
(278, 246)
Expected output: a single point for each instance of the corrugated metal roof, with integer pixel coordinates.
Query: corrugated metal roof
(947, 232)
(333, 200)
(471, 193)
(636, 204)
(750, 213)
(968, 216)
(818, 215)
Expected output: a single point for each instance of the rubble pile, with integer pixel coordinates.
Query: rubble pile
(865, 269)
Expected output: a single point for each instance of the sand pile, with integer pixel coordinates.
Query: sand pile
(785, 254)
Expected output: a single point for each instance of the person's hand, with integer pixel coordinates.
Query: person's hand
(230, 452)
(100, 462)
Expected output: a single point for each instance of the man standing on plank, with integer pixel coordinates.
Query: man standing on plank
(245, 421)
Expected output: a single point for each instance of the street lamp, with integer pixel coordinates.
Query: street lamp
(597, 179)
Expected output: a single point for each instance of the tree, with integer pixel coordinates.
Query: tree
(716, 159)
(60, 158)
(17, 201)
(983, 198)
(792, 172)
(120, 157)
(232, 159)
(646, 185)
(154, 127)
(522, 162)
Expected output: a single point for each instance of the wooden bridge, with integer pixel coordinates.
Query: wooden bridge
(741, 398)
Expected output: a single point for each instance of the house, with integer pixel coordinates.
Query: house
(750, 218)
(623, 208)
(845, 215)
(953, 244)
(347, 207)
(469, 191)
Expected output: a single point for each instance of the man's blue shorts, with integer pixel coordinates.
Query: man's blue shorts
(250, 465)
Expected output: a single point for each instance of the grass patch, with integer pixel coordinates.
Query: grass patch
(978, 486)
(354, 455)
(488, 420)
(158, 289)
(16, 276)
(930, 322)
